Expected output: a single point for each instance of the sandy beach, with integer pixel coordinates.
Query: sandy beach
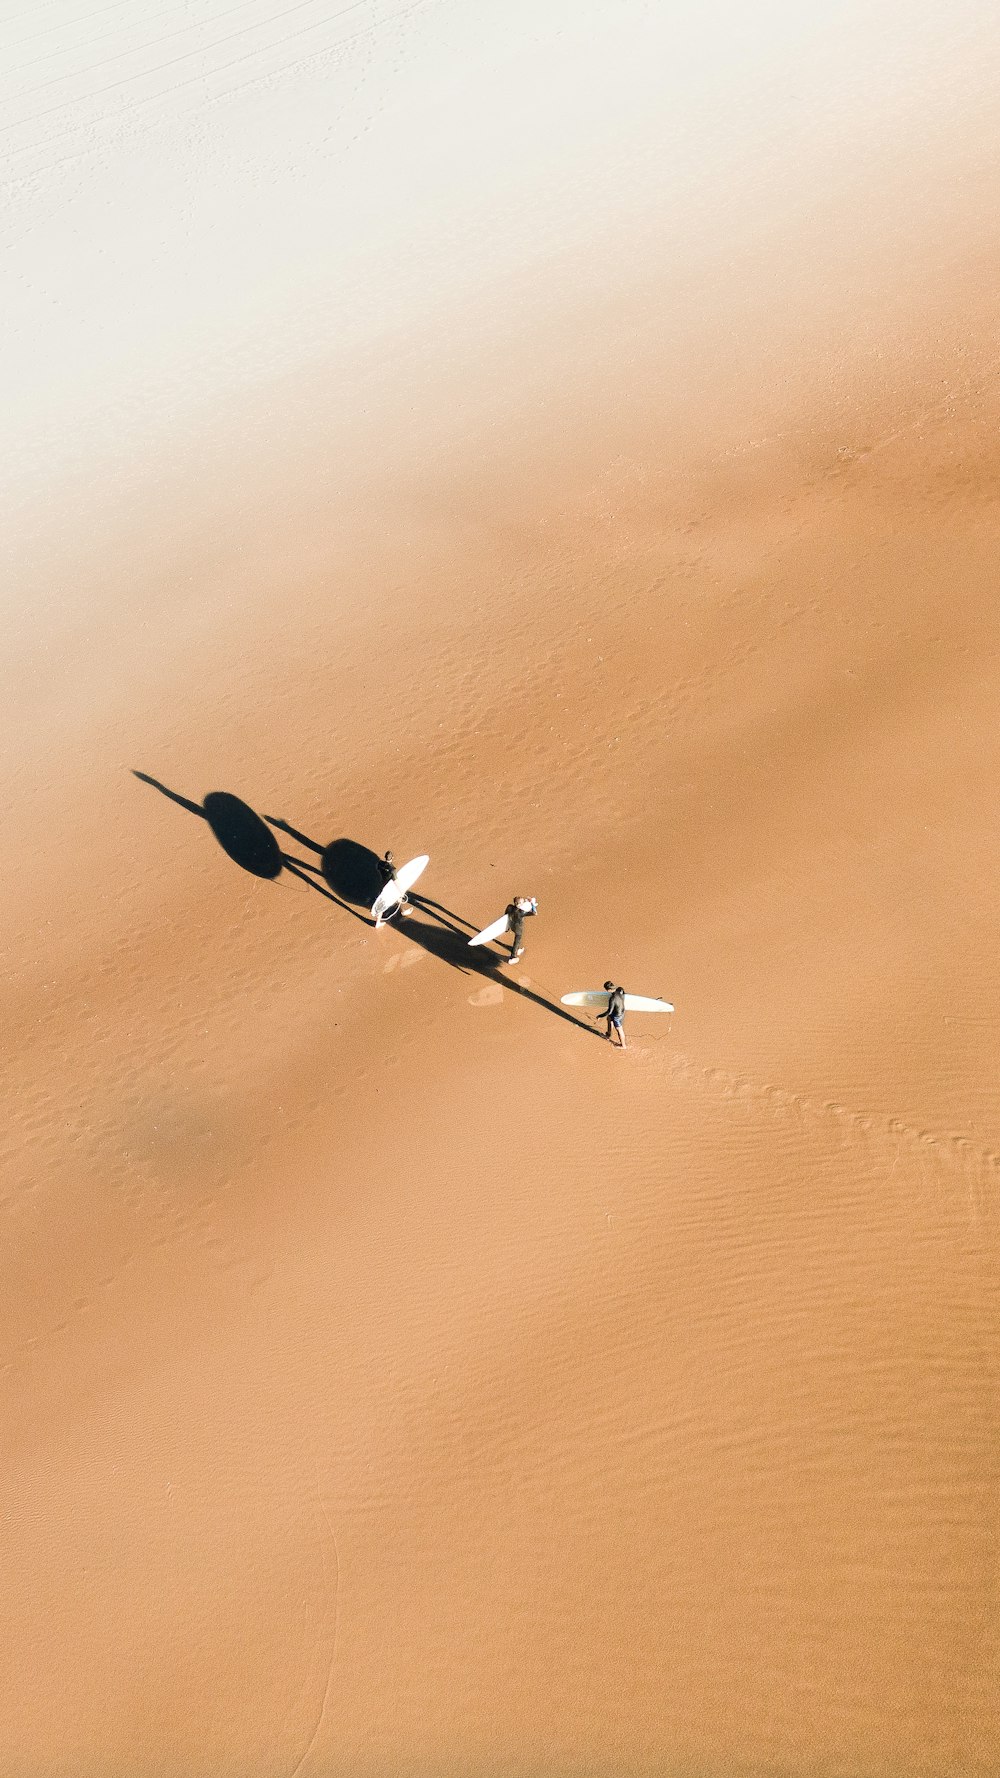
(562, 440)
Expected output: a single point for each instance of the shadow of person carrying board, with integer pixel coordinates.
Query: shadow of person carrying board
(352, 871)
(244, 836)
(351, 879)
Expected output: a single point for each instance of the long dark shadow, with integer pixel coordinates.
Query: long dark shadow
(175, 797)
(351, 870)
(552, 1006)
(298, 868)
(438, 911)
(451, 922)
(243, 835)
(452, 947)
(439, 941)
(293, 833)
(351, 880)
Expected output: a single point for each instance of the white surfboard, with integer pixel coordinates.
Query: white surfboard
(496, 930)
(404, 879)
(598, 999)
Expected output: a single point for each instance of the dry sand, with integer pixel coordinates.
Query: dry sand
(394, 1379)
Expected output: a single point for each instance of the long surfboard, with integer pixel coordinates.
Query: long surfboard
(404, 879)
(495, 930)
(598, 999)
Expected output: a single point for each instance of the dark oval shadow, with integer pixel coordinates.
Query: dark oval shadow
(351, 871)
(242, 834)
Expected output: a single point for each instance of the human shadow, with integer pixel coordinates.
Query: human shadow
(244, 836)
(438, 940)
(241, 833)
(351, 870)
(293, 833)
(351, 879)
(438, 911)
(450, 945)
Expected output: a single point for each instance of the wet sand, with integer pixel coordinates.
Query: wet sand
(395, 1379)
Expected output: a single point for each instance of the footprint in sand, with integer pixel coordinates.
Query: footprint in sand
(491, 995)
(405, 962)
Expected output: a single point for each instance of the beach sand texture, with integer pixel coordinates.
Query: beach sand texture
(560, 439)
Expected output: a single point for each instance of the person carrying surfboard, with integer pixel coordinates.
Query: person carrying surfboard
(517, 912)
(613, 1003)
(616, 1012)
(387, 874)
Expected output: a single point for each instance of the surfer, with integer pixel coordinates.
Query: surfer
(616, 1012)
(387, 874)
(517, 912)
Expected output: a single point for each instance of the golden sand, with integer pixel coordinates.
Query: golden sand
(395, 1380)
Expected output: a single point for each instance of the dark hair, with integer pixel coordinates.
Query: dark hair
(388, 858)
(609, 987)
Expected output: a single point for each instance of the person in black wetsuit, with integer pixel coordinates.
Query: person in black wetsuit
(616, 1012)
(387, 874)
(517, 912)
